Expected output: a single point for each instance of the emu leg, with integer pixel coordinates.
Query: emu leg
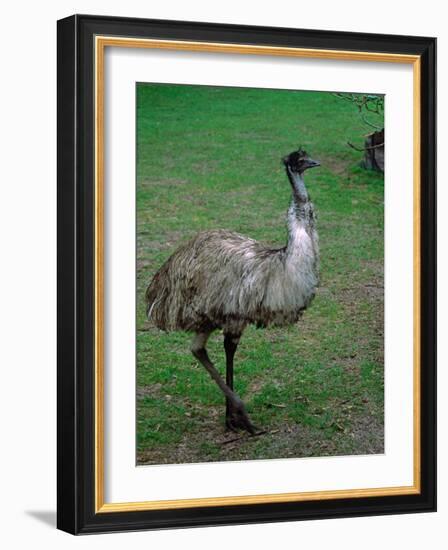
(238, 409)
(231, 342)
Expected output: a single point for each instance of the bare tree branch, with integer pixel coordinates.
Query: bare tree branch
(362, 149)
(370, 123)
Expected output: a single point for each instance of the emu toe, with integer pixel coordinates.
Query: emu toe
(237, 419)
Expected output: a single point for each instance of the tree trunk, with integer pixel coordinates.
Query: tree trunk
(374, 151)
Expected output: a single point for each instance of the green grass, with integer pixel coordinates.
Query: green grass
(210, 158)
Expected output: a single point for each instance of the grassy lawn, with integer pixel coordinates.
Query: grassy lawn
(209, 158)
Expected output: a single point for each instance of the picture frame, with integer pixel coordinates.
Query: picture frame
(82, 42)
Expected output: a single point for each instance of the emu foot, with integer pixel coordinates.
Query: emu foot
(238, 419)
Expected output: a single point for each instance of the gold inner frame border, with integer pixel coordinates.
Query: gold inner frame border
(100, 44)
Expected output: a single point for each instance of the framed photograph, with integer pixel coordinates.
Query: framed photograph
(246, 274)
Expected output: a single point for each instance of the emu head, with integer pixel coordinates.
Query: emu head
(298, 161)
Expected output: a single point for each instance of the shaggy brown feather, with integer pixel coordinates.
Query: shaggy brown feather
(221, 279)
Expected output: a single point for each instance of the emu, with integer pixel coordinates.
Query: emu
(223, 280)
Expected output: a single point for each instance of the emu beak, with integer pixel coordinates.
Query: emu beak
(310, 163)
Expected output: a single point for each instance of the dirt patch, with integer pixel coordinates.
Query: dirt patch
(363, 435)
(153, 390)
(367, 435)
(254, 387)
(336, 165)
(349, 363)
(371, 291)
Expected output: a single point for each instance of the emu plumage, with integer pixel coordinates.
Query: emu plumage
(223, 280)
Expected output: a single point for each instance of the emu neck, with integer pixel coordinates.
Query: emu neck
(299, 192)
(299, 214)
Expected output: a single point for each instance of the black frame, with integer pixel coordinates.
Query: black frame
(75, 475)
